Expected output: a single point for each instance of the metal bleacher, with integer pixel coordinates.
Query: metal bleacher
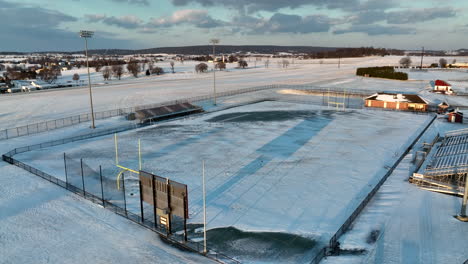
(166, 111)
(447, 170)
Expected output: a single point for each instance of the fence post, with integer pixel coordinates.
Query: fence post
(82, 177)
(125, 199)
(65, 164)
(102, 188)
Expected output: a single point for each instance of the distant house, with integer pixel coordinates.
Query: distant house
(397, 101)
(442, 87)
(460, 65)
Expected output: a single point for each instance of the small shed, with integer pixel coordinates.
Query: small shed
(455, 117)
(442, 108)
(442, 87)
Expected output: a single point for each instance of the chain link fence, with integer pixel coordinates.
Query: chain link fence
(103, 189)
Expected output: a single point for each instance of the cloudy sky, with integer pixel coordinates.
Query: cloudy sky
(40, 25)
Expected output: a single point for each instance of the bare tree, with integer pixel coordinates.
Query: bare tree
(133, 68)
(267, 63)
(405, 61)
(158, 70)
(242, 63)
(106, 73)
(172, 66)
(220, 65)
(50, 75)
(443, 63)
(200, 68)
(232, 59)
(117, 70)
(76, 77)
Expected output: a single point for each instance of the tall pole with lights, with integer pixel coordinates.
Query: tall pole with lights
(214, 42)
(88, 34)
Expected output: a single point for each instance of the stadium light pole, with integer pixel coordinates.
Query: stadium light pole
(214, 42)
(88, 34)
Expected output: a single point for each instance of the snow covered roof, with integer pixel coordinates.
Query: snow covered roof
(397, 97)
(442, 83)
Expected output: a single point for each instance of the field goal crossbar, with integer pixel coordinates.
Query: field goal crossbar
(123, 168)
(337, 104)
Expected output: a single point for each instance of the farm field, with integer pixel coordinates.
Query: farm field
(273, 167)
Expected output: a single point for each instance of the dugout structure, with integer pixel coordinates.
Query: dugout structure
(168, 198)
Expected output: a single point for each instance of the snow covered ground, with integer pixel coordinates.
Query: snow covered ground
(21, 109)
(38, 224)
(409, 225)
(271, 166)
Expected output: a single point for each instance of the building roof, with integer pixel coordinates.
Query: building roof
(442, 83)
(397, 97)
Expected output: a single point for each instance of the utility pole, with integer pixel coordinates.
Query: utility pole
(204, 210)
(88, 34)
(214, 42)
(422, 56)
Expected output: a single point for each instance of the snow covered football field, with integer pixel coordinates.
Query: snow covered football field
(271, 166)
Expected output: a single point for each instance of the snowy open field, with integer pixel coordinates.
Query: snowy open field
(21, 109)
(271, 166)
(40, 223)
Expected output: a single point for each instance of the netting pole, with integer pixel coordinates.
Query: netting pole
(82, 177)
(125, 199)
(102, 187)
(204, 208)
(65, 165)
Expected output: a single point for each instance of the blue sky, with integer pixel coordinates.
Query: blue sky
(41, 25)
